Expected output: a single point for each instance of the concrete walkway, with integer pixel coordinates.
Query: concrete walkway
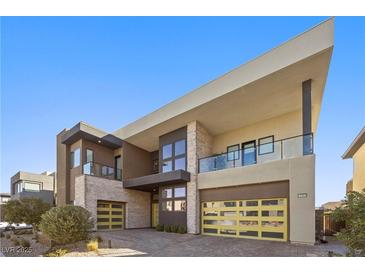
(161, 244)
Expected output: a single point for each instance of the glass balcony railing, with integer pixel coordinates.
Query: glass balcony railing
(100, 170)
(283, 149)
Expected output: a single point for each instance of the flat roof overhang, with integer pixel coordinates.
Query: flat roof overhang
(355, 145)
(154, 181)
(266, 87)
(90, 133)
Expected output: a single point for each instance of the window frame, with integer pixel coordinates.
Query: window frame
(173, 198)
(72, 158)
(272, 145)
(173, 157)
(233, 152)
(93, 154)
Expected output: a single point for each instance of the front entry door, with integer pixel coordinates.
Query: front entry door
(249, 153)
(154, 214)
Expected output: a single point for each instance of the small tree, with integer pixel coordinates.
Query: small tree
(25, 210)
(353, 214)
(67, 224)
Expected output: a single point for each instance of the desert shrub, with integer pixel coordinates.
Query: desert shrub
(2, 234)
(174, 228)
(167, 228)
(97, 238)
(92, 245)
(15, 240)
(57, 253)
(19, 231)
(24, 242)
(182, 229)
(7, 236)
(67, 224)
(353, 214)
(160, 227)
(25, 210)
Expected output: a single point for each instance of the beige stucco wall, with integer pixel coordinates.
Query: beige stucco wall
(281, 127)
(89, 189)
(359, 169)
(199, 144)
(300, 173)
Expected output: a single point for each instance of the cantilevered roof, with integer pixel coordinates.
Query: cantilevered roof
(355, 145)
(263, 88)
(88, 132)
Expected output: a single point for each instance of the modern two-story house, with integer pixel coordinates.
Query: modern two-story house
(356, 152)
(32, 185)
(234, 157)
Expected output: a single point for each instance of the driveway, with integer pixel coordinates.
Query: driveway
(148, 242)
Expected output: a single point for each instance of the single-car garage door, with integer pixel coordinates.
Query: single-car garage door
(264, 219)
(110, 215)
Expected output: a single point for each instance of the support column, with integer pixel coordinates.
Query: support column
(307, 116)
(199, 144)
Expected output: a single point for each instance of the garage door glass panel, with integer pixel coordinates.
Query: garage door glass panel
(110, 215)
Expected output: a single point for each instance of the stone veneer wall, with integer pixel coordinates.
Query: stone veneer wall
(199, 144)
(89, 189)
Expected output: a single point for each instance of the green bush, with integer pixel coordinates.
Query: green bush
(24, 242)
(7, 236)
(67, 224)
(167, 228)
(174, 228)
(182, 229)
(58, 253)
(160, 227)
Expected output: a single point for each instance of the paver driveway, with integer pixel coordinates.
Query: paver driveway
(161, 244)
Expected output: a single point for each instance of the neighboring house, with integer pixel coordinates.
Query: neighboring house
(235, 157)
(331, 206)
(26, 185)
(356, 151)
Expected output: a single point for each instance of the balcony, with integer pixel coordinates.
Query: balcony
(100, 170)
(274, 151)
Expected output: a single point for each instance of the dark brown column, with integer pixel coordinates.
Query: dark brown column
(307, 116)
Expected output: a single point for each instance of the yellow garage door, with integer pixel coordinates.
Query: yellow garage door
(110, 215)
(264, 219)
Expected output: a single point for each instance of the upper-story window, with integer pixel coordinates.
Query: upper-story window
(174, 156)
(266, 145)
(89, 155)
(27, 186)
(233, 152)
(75, 158)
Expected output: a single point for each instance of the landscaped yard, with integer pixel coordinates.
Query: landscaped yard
(148, 242)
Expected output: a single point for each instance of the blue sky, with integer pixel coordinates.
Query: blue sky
(111, 71)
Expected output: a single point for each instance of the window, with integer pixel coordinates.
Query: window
(233, 152)
(75, 158)
(89, 155)
(167, 151)
(180, 192)
(180, 147)
(167, 166)
(167, 193)
(167, 206)
(180, 205)
(180, 163)
(266, 145)
(32, 187)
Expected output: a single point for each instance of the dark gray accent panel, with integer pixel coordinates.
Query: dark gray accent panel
(307, 106)
(153, 181)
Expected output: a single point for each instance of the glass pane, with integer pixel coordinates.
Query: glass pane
(249, 203)
(210, 230)
(272, 223)
(167, 166)
(249, 223)
(272, 202)
(76, 154)
(249, 213)
(180, 192)
(227, 222)
(228, 232)
(272, 213)
(180, 164)
(31, 187)
(277, 235)
(229, 204)
(167, 193)
(210, 213)
(167, 206)
(266, 145)
(211, 222)
(228, 213)
(180, 205)
(211, 204)
(89, 155)
(179, 147)
(233, 153)
(249, 233)
(249, 153)
(167, 151)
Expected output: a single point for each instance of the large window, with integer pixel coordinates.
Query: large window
(233, 152)
(266, 145)
(27, 186)
(174, 156)
(75, 158)
(89, 155)
(173, 198)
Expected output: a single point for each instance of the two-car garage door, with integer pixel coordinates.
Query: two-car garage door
(264, 219)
